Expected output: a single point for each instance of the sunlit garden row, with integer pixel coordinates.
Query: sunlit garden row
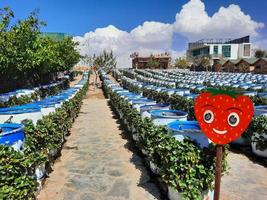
(157, 109)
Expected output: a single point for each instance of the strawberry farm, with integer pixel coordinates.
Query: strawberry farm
(79, 126)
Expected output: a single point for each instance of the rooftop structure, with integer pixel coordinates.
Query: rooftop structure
(162, 61)
(253, 65)
(54, 35)
(220, 48)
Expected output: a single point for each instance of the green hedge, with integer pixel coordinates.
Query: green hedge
(17, 169)
(183, 165)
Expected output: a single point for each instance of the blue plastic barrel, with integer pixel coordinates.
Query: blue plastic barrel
(260, 110)
(12, 135)
(163, 117)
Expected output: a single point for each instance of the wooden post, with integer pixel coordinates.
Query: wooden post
(218, 172)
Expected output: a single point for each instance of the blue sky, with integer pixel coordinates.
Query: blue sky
(82, 16)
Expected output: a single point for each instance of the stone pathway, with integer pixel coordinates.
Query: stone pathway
(96, 163)
(246, 180)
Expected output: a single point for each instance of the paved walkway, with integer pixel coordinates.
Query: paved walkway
(247, 180)
(96, 163)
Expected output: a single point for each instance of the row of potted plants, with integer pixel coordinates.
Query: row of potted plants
(256, 134)
(40, 93)
(22, 170)
(164, 79)
(186, 169)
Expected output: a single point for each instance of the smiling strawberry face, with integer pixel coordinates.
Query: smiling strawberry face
(223, 117)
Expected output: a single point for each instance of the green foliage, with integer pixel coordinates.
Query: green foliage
(183, 165)
(17, 180)
(258, 100)
(26, 58)
(260, 53)
(105, 60)
(181, 63)
(152, 63)
(258, 132)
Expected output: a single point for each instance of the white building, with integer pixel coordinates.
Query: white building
(221, 48)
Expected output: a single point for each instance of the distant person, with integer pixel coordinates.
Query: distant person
(94, 68)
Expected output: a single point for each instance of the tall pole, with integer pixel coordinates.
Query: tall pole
(218, 172)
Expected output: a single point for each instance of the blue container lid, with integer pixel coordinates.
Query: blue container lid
(264, 107)
(154, 105)
(183, 125)
(148, 107)
(129, 94)
(136, 96)
(11, 133)
(142, 100)
(122, 91)
(9, 127)
(45, 104)
(27, 108)
(167, 113)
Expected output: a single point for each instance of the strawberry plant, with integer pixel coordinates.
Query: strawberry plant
(183, 165)
(16, 178)
(258, 131)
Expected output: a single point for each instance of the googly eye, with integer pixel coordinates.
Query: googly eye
(208, 116)
(233, 119)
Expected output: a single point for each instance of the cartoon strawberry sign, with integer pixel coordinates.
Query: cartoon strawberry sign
(223, 115)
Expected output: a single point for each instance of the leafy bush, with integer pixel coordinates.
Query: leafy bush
(183, 165)
(258, 132)
(28, 58)
(17, 169)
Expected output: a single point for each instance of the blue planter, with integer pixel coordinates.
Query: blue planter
(141, 101)
(163, 117)
(260, 110)
(183, 129)
(12, 135)
(133, 97)
(263, 94)
(19, 113)
(154, 107)
(145, 109)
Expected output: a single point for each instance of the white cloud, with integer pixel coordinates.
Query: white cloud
(194, 23)
(155, 37)
(260, 43)
(151, 37)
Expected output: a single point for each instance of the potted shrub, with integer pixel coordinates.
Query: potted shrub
(259, 136)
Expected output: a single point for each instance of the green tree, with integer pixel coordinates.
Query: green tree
(27, 58)
(202, 61)
(87, 60)
(152, 62)
(106, 60)
(259, 53)
(181, 63)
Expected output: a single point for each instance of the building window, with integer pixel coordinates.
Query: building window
(215, 50)
(258, 66)
(226, 51)
(246, 49)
